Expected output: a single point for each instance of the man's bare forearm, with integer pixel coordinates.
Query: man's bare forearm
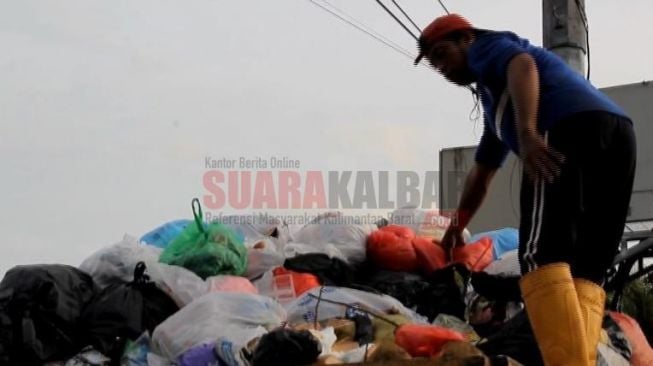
(474, 192)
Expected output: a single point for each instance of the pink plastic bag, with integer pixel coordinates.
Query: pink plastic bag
(230, 284)
(642, 352)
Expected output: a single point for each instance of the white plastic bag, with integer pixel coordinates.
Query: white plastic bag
(116, 263)
(356, 355)
(294, 249)
(238, 317)
(340, 231)
(88, 356)
(155, 360)
(327, 338)
(303, 309)
(507, 265)
(606, 356)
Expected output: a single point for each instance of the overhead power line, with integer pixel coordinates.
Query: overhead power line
(443, 7)
(343, 16)
(396, 18)
(407, 16)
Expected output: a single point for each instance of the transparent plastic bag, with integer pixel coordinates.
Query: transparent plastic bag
(182, 285)
(136, 351)
(341, 231)
(294, 249)
(303, 309)
(262, 256)
(238, 317)
(116, 263)
(285, 286)
(253, 226)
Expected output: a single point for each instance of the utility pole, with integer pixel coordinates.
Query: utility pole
(564, 31)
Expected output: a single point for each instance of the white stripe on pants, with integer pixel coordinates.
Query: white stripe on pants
(536, 221)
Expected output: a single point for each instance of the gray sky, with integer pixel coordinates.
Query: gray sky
(108, 108)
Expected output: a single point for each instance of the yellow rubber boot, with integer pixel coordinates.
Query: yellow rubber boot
(592, 305)
(554, 312)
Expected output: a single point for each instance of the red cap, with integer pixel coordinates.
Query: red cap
(438, 29)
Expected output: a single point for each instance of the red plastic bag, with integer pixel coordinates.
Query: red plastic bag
(391, 248)
(301, 282)
(400, 231)
(424, 340)
(475, 256)
(642, 352)
(430, 255)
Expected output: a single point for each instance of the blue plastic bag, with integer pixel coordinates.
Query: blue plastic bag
(165, 234)
(203, 354)
(503, 240)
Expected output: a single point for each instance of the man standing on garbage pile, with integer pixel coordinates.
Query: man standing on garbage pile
(578, 152)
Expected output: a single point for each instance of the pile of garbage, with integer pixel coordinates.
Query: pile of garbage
(239, 292)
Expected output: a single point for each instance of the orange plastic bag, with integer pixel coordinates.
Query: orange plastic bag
(430, 255)
(301, 282)
(424, 340)
(475, 256)
(396, 248)
(642, 352)
(391, 248)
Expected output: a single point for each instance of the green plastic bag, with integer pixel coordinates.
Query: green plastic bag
(208, 249)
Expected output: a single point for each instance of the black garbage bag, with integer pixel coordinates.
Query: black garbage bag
(440, 292)
(40, 307)
(515, 340)
(123, 312)
(446, 292)
(486, 316)
(496, 287)
(286, 347)
(330, 271)
(408, 288)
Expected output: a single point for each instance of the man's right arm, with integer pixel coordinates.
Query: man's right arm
(490, 155)
(474, 191)
(476, 185)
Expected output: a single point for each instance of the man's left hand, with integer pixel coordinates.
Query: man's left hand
(540, 161)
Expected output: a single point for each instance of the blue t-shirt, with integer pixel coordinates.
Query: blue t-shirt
(563, 92)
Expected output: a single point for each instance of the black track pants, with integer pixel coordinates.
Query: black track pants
(579, 218)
